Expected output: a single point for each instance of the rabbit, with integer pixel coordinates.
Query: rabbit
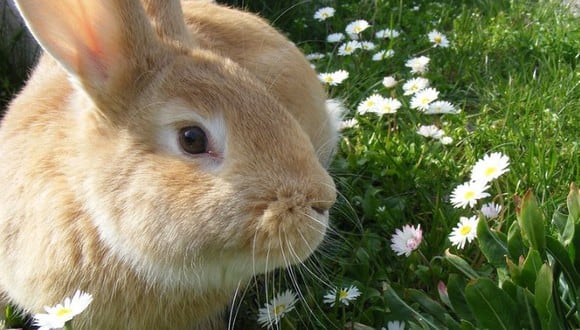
(159, 163)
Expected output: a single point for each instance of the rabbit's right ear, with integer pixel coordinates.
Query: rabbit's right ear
(96, 41)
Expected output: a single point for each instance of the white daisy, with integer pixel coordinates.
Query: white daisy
(367, 45)
(349, 123)
(275, 310)
(389, 82)
(57, 316)
(468, 193)
(441, 107)
(356, 27)
(465, 231)
(491, 210)
(414, 85)
(406, 240)
(335, 37)
(370, 104)
(423, 98)
(383, 54)
(395, 325)
(315, 56)
(388, 105)
(387, 34)
(430, 131)
(333, 78)
(344, 295)
(446, 140)
(438, 39)
(324, 13)
(418, 64)
(348, 48)
(490, 167)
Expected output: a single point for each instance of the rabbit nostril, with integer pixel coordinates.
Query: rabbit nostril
(319, 210)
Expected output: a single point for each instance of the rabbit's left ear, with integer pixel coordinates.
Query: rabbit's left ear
(167, 18)
(95, 41)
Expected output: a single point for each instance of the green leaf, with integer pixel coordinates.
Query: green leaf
(455, 291)
(573, 203)
(528, 316)
(543, 298)
(531, 221)
(564, 222)
(428, 305)
(492, 307)
(515, 244)
(560, 255)
(461, 265)
(492, 244)
(530, 268)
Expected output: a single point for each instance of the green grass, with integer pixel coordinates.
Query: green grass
(512, 69)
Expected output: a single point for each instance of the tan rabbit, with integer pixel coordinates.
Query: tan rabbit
(158, 166)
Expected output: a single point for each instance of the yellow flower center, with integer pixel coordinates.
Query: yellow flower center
(343, 294)
(465, 230)
(328, 79)
(279, 309)
(63, 312)
(325, 15)
(469, 195)
(490, 170)
(425, 100)
(437, 39)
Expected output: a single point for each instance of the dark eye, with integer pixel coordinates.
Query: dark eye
(193, 140)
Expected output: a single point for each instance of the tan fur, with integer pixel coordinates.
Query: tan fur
(95, 195)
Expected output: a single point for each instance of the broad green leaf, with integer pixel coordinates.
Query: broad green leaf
(528, 315)
(461, 265)
(530, 268)
(543, 298)
(573, 203)
(531, 221)
(466, 325)
(492, 307)
(515, 244)
(456, 292)
(560, 255)
(492, 244)
(564, 222)
(450, 323)
(401, 310)
(427, 304)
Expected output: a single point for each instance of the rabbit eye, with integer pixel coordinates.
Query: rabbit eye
(193, 140)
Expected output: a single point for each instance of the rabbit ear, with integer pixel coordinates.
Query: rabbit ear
(167, 17)
(95, 41)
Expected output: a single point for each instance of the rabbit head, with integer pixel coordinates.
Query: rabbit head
(190, 171)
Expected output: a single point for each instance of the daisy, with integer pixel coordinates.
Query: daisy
(468, 193)
(407, 240)
(466, 230)
(438, 39)
(356, 27)
(388, 105)
(389, 82)
(395, 325)
(349, 123)
(383, 54)
(423, 98)
(344, 295)
(348, 47)
(335, 37)
(418, 64)
(324, 13)
(57, 316)
(367, 45)
(446, 140)
(414, 85)
(275, 310)
(387, 34)
(430, 131)
(333, 78)
(370, 104)
(439, 107)
(490, 167)
(491, 210)
(315, 56)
